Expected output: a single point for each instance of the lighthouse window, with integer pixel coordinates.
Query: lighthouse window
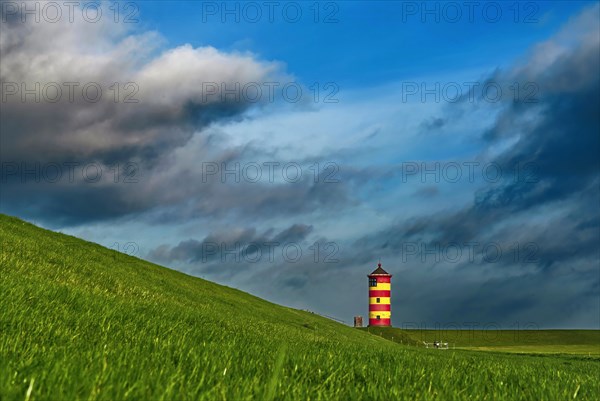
(378, 317)
(372, 282)
(378, 300)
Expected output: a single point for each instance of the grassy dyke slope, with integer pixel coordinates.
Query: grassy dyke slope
(82, 322)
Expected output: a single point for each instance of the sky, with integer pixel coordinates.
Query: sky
(285, 148)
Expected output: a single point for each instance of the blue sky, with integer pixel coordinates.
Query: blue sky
(462, 154)
(374, 44)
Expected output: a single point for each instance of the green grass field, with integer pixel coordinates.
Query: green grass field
(578, 342)
(81, 322)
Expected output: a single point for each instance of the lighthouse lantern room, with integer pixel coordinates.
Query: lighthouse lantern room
(380, 311)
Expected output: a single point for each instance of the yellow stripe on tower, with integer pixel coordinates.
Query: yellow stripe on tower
(382, 300)
(381, 314)
(382, 286)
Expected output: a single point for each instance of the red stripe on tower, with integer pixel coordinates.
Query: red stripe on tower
(379, 307)
(380, 293)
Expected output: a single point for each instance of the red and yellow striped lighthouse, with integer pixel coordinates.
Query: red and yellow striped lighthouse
(380, 287)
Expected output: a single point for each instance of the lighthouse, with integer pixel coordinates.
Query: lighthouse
(380, 286)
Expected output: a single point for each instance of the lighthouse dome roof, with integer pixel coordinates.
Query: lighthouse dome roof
(379, 271)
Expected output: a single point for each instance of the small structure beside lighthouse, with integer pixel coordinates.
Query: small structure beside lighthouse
(380, 287)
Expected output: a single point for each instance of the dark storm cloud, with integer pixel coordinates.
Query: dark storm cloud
(194, 195)
(169, 193)
(432, 124)
(556, 158)
(215, 246)
(503, 300)
(427, 192)
(176, 96)
(64, 205)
